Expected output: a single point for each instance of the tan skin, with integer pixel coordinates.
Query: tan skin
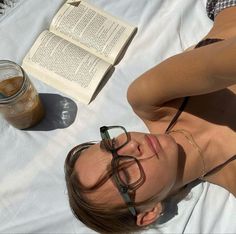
(208, 75)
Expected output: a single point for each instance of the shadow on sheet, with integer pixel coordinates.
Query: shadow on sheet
(60, 112)
(171, 204)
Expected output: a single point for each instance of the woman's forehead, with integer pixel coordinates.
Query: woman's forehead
(91, 164)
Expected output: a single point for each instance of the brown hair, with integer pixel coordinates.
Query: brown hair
(101, 218)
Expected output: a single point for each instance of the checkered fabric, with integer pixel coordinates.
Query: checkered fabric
(213, 7)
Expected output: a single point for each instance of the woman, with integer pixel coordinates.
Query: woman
(122, 183)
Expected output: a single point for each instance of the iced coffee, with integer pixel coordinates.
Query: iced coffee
(20, 104)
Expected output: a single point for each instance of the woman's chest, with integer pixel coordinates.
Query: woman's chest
(210, 119)
(224, 176)
(215, 112)
(215, 109)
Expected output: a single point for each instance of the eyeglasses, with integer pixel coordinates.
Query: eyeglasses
(128, 173)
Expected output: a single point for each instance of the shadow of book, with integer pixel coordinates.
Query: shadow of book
(103, 83)
(60, 112)
(123, 51)
(112, 69)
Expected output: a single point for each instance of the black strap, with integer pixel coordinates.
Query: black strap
(204, 42)
(180, 110)
(207, 42)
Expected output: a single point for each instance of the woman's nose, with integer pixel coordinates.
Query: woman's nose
(132, 148)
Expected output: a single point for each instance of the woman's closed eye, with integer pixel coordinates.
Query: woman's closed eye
(128, 171)
(116, 143)
(124, 176)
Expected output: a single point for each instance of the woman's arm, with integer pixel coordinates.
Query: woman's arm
(196, 72)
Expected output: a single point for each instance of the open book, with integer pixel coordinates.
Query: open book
(81, 45)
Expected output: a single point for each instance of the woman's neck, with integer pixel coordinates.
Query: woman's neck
(192, 163)
(200, 152)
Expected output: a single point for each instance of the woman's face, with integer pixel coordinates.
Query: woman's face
(160, 167)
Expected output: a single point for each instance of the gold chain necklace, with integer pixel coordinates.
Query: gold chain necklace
(191, 140)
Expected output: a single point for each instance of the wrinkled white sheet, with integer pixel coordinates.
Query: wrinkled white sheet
(32, 187)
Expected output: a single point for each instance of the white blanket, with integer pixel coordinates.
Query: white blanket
(33, 195)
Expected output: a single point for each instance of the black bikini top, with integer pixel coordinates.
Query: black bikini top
(185, 101)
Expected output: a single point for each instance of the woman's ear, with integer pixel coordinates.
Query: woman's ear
(149, 216)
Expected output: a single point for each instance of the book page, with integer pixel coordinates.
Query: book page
(65, 66)
(92, 29)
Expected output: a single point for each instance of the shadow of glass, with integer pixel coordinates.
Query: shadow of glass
(60, 112)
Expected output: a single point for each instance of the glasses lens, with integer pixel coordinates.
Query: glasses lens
(116, 138)
(128, 171)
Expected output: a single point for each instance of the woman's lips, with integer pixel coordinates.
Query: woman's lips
(153, 143)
